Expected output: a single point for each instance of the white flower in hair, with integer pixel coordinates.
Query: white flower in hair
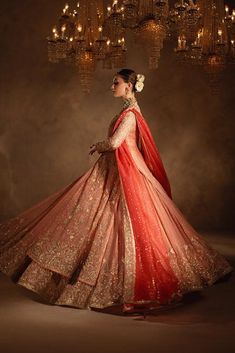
(139, 86)
(139, 82)
(140, 77)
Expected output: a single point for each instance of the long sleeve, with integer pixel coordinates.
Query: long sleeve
(114, 141)
(111, 125)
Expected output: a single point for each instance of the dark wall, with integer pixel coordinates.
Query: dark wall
(47, 123)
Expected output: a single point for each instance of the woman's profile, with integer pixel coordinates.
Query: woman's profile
(113, 236)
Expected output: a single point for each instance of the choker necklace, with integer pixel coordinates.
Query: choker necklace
(129, 102)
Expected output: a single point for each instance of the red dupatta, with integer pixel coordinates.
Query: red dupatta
(155, 280)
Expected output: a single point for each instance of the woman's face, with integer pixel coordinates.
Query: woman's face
(120, 87)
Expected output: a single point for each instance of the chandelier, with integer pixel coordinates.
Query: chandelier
(211, 40)
(86, 35)
(93, 32)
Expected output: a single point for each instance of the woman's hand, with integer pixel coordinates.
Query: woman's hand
(101, 147)
(93, 149)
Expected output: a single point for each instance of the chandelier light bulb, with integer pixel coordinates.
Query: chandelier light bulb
(63, 28)
(66, 6)
(79, 28)
(78, 4)
(220, 40)
(100, 29)
(54, 31)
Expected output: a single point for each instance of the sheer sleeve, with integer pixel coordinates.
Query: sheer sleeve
(111, 125)
(120, 134)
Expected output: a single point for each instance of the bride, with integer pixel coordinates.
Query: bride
(113, 236)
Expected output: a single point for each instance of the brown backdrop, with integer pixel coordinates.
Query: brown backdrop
(47, 123)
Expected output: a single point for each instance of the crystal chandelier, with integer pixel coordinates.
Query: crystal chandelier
(94, 32)
(211, 43)
(87, 35)
(151, 28)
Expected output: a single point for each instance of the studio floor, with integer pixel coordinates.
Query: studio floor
(204, 322)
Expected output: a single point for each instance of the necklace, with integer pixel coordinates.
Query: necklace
(129, 102)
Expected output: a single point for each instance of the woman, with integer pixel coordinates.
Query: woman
(114, 235)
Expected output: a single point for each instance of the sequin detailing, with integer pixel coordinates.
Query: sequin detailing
(129, 253)
(77, 247)
(194, 262)
(83, 243)
(120, 134)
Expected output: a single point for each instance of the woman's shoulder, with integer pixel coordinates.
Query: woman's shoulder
(127, 112)
(132, 111)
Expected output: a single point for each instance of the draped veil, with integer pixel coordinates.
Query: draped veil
(154, 274)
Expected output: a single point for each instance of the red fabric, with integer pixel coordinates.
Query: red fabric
(150, 153)
(155, 279)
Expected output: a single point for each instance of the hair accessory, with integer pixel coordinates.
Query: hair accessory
(139, 82)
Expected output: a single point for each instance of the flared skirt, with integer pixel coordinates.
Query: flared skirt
(77, 247)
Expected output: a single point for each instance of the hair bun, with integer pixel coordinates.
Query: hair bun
(139, 82)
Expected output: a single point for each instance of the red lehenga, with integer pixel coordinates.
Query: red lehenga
(114, 235)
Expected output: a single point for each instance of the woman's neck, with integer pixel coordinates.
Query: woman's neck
(129, 102)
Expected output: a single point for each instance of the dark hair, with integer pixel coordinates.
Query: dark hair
(128, 75)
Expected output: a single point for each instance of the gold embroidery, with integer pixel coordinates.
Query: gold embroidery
(77, 246)
(112, 142)
(72, 255)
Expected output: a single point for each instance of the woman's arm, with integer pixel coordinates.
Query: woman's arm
(114, 141)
